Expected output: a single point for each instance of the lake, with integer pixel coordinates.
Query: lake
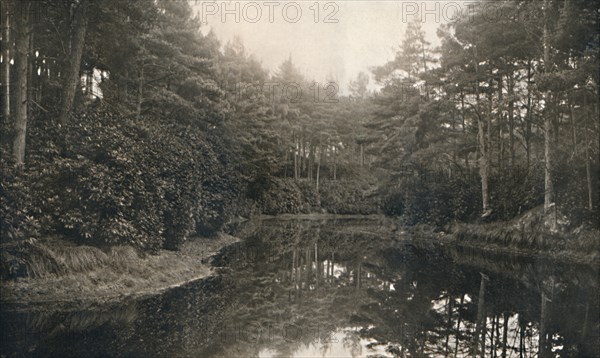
(335, 287)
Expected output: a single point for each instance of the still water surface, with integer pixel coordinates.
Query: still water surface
(336, 288)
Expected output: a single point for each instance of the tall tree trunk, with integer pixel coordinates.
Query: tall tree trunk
(31, 87)
(22, 30)
(318, 166)
(588, 172)
(549, 204)
(303, 157)
(40, 80)
(311, 161)
(71, 73)
(489, 119)
(319, 270)
(464, 126)
(6, 45)
(483, 148)
(528, 116)
(296, 148)
(511, 122)
(573, 130)
(500, 121)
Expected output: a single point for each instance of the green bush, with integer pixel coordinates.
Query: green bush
(349, 197)
(282, 197)
(107, 180)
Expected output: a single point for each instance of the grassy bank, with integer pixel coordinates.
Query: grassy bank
(53, 270)
(525, 235)
(576, 246)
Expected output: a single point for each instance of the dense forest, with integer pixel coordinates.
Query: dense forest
(123, 124)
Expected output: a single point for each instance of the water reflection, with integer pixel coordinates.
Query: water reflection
(337, 288)
(177, 323)
(403, 299)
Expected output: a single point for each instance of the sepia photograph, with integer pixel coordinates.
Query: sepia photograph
(300, 179)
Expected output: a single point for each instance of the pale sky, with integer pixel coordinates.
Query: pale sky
(366, 33)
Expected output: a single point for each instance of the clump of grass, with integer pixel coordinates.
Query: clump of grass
(42, 265)
(80, 258)
(59, 259)
(37, 259)
(123, 256)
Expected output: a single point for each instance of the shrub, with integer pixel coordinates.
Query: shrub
(107, 180)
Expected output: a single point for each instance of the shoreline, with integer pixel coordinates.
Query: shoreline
(589, 256)
(137, 278)
(564, 257)
(126, 277)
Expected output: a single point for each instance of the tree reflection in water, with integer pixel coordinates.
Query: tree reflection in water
(336, 288)
(389, 298)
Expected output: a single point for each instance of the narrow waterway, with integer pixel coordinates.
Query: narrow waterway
(335, 288)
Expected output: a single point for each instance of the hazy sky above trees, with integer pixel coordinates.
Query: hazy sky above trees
(367, 33)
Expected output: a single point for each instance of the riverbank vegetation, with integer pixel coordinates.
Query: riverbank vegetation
(123, 124)
(60, 272)
(524, 236)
